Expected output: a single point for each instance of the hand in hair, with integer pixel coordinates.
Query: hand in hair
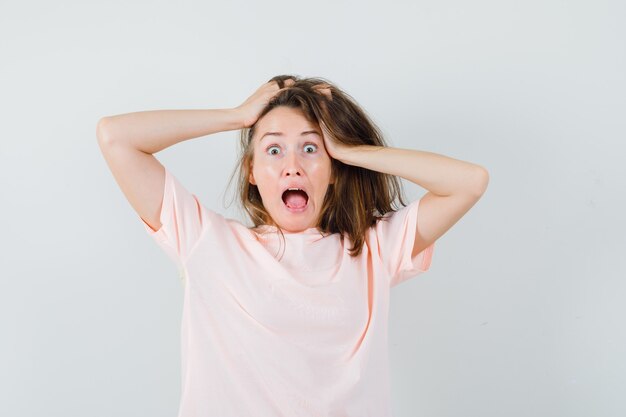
(334, 148)
(323, 89)
(252, 107)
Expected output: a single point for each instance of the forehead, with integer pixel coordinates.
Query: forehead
(285, 121)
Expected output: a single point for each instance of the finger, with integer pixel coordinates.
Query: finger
(323, 89)
(283, 83)
(274, 84)
(287, 87)
(288, 83)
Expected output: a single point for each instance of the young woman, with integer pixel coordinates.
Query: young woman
(289, 317)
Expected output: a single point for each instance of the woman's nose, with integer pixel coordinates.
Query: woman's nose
(292, 164)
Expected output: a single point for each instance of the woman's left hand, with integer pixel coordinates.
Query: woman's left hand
(335, 149)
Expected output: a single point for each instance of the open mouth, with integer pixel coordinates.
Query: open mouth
(295, 199)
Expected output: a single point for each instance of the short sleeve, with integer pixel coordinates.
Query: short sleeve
(181, 218)
(396, 236)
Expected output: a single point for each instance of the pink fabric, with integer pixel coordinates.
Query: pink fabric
(305, 335)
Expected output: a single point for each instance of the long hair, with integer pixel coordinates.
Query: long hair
(359, 197)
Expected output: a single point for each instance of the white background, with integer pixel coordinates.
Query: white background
(522, 312)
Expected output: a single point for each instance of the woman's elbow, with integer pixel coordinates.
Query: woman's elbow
(481, 180)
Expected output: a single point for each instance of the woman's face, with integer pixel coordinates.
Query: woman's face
(289, 152)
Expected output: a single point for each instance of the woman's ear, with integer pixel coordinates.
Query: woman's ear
(251, 176)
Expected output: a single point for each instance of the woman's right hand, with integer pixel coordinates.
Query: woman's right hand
(252, 107)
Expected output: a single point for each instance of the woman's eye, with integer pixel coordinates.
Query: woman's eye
(274, 149)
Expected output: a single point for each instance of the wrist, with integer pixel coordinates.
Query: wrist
(240, 119)
(356, 155)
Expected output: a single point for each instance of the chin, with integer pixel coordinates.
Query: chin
(294, 225)
(294, 228)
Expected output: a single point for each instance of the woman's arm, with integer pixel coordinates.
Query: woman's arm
(128, 142)
(454, 186)
(436, 173)
(154, 130)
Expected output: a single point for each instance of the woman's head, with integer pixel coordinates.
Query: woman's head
(285, 149)
(288, 153)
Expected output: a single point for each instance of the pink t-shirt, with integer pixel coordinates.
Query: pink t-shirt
(304, 334)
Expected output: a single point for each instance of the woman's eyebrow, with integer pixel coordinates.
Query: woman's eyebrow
(306, 132)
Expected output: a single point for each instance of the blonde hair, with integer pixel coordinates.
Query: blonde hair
(359, 197)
